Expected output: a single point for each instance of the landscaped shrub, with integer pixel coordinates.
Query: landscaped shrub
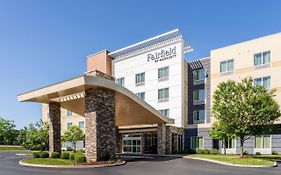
(55, 155)
(36, 154)
(206, 151)
(245, 153)
(258, 153)
(191, 151)
(79, 158)
(65, 155)
(214, 151)
(72, 155)
(274, 152)
(44, 154)
(199, 151)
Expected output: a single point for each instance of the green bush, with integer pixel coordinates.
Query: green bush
(79, 158)
(55, 155)
(71, 156)
(191, 151)
(206, 151)
(44, 154)
(36, 154)
(214, 151)
(65, 155)
(258, 153)
(245, 153)
(274, 152)
(199, 151)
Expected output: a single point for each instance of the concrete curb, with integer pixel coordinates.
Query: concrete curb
(70, 166)
(230, 164)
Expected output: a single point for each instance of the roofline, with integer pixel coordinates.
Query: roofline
(96, 53)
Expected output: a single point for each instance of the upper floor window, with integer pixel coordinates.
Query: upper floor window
(199, 116)
(69, 125)
(140, 79)
(263, 81)
(81, 125)
(164, 112)
(141, 95)
(196, 142)
(263, 142)
(163, 94)
(163, 73)
(69, 113)
(198, 75)
(227, 66)
(120, 81)
(262, 58)
(199, 96)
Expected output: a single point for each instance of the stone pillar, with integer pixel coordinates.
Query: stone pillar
(161, 139)
(55, 127)
(100, 140)
(118, 141)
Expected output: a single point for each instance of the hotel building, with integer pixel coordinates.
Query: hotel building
(155, 83)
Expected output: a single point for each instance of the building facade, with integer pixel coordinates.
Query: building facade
(159, 72)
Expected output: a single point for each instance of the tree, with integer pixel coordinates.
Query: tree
(73, 134)
(219, 131)
(8, 132)
(245, 109)
(37, 136)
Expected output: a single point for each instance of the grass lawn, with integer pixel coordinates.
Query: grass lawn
(234, 159)
(11, 148)
(48, 161)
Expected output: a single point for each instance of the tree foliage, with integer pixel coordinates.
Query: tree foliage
(73, 134)
(8, 132)
(244, 109)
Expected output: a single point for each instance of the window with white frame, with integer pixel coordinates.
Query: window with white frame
(164, 112)
(163, 94)
(227, 66)
(230, 143)
(262, 58)
(198, 75)
(69, 113)
(199, 116)
(263, 81)
(120, 81)
(199, 95)
(196, 142)
(69, 125)
(163, 73)
(140, 79)
(141, 95)
(263, 142)
(81, 125)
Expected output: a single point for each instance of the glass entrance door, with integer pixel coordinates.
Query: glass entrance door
(131, 143)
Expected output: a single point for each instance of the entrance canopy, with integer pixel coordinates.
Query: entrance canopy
(129, 109)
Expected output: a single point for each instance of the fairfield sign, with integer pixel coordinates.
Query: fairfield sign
(164, 54)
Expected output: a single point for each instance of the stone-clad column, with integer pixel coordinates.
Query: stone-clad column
(100, 125)
(55, 127)
(161, 139)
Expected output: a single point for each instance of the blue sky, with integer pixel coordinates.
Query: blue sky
(44, 42)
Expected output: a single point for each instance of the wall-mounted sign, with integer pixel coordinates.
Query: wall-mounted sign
(164, 54)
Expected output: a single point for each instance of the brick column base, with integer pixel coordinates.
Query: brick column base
(55, 127)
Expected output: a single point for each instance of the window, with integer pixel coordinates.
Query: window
(263, 142)
(261, 58)
(263, 81)
(230, 143)
(199, 116)
(198, 75)
(227, 66)
(120, 81)
(69, 113)
(199, 95)
(81, 125)
(140, 79)
(164, 112)
(69, 125)
(141, 95)
(163, 94)
(163, 73)
(196, 142)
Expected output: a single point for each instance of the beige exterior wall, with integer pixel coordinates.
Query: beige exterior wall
(100, 61)
(243, 55)
(74, 119)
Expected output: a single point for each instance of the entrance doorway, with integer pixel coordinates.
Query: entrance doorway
(131, 143)
(150, 143)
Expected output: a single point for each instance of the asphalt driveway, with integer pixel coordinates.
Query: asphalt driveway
(135, 166)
